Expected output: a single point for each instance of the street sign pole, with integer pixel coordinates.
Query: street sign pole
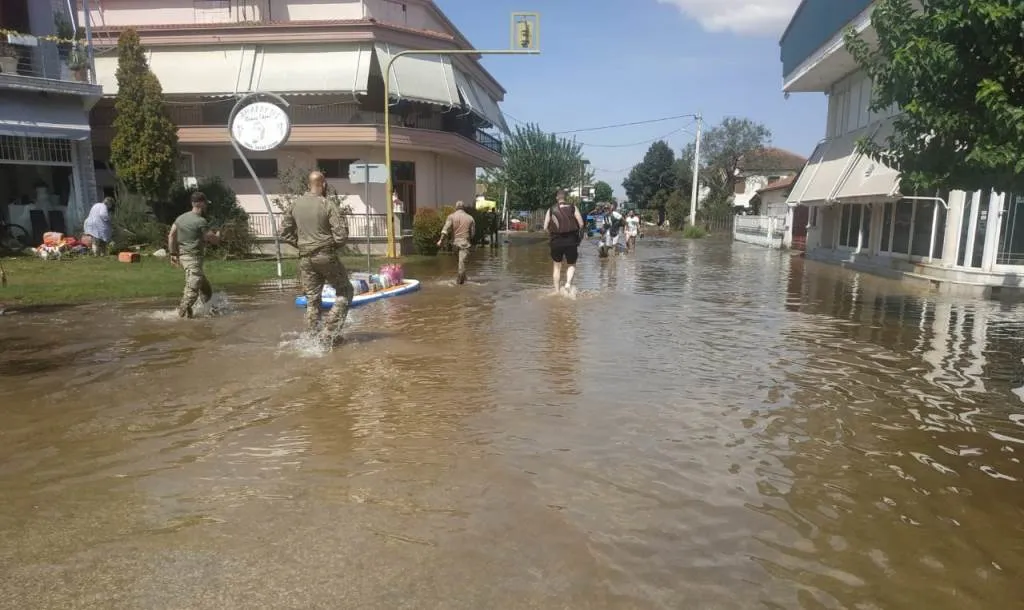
(525, 41)
(367, 173)
(260, 127)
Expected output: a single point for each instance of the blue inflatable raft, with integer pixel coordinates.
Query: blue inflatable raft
(328, 295)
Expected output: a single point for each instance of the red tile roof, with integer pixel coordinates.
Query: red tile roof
(778, 185)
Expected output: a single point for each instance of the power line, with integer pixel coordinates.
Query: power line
(642, 142)
(608, 126)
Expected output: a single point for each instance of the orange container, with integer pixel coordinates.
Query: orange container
(128, 257)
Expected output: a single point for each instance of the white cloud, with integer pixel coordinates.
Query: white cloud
(754, 17)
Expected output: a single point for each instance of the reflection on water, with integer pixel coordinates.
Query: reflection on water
(709, 425)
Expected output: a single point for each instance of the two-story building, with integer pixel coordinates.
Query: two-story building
(858, 216)
(326, 58)
(46, 91)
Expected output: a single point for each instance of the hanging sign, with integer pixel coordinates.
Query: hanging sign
(261, 126)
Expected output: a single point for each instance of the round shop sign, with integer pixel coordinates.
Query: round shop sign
(261, 126)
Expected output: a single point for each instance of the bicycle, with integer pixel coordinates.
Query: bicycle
(13, 238)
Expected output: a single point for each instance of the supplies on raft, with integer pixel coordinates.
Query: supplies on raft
(368, 283)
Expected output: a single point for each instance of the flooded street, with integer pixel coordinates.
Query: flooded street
(708, 425)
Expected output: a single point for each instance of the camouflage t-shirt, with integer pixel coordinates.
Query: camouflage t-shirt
(191, 234)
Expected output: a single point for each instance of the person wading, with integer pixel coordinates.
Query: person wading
(186, 245)
(461, 227)
(316, 228)
(564, 224)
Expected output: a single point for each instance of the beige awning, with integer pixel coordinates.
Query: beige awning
(422, 78)
(827, 166)
(312, 68)
(869, 179)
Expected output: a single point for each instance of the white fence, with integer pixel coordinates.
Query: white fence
(767, 231)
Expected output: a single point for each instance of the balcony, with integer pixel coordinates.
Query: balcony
(811, 47)
(32, 63)
(318, 112)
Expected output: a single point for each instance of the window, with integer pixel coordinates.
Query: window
(403, 171)
(264, 168)
(852, 108)
(740, 187)
(854, 226)
(927, 213)
(965, 228)
(844, 226)
(886, 227)
(1011, 236)
(865, 226)
(902, 220)
(335, 168)
(187, 164)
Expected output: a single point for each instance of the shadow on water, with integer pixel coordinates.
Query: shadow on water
(707, 425)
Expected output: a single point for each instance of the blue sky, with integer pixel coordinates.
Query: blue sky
(617, 61)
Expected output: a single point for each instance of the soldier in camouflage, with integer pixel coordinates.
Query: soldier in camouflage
(315, 227)
(186, 245)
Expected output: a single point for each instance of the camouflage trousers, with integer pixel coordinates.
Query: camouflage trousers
(315, 271)
(463, 250)
(196, 284)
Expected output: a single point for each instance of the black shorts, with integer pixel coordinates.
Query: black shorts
(566, 248)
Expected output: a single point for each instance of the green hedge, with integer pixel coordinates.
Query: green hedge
(426, 230)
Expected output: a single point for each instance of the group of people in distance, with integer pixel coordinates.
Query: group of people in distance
(564, 223)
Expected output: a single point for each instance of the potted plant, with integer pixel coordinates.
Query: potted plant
(78, 63)
(8, 58)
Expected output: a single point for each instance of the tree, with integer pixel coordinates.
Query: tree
(723, 149)
(651, 181)
(954, 68)
(536, 164)
(603, 191)
(144, 149)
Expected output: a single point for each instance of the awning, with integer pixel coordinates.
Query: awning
(189, 70)
(312, 68)
(227, 71)
(478, 101)
(827, 166)
(44, 118)
(870, 179)
(419, 78)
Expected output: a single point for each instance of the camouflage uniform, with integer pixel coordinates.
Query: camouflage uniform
(191, 230)
(315, 271)
(196, 284)
(317, 229)
(461, 226)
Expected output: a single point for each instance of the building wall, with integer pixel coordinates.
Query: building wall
(150, 12)
(849, 101)
(409, 14)
(440, 179)
(753, 183)
(773, 203)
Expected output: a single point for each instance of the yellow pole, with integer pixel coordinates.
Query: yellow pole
(387, 120)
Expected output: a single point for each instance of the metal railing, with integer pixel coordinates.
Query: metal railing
(358, 225)
(25, 55)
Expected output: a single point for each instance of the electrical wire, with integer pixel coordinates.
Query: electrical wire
(642, 142)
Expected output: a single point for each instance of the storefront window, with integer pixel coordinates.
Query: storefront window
(1011, 234)
(886, 227)
(865, 226)
(903, 218)
(929, 214)
(979, 233)
(844, 226)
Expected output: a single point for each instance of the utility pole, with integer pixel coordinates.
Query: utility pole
(583, 176)
(696, 176)
(525, 40)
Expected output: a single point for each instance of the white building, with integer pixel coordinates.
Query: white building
(963, 242)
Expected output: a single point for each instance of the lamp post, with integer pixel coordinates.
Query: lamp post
(525, 41)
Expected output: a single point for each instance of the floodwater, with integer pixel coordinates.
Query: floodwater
(707, 425)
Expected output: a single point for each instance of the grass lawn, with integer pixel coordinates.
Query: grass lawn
(34, 282)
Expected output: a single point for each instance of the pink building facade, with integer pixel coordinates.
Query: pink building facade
(325, 58)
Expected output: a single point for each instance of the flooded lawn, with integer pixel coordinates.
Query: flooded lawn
(707, 425)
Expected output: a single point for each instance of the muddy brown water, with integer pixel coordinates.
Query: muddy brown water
(708, 425)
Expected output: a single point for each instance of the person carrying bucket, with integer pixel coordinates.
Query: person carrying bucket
(315, 227)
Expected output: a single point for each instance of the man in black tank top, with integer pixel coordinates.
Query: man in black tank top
(564, 224)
